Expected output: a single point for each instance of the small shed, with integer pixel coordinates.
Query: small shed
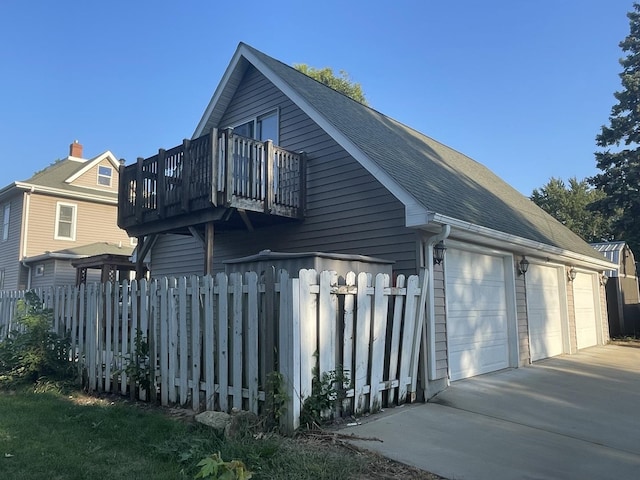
(319, 261)
(623, 295)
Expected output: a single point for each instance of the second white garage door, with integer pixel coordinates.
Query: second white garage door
(477, 317)
(585, 299)
(545, 311)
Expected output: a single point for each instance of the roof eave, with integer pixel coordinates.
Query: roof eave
(66, 193)
(511, 242)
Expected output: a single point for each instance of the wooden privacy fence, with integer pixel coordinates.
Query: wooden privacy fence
(210, 342)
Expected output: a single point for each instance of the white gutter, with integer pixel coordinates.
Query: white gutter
(530, 247)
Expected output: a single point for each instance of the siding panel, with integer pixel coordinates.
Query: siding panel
(10, 248)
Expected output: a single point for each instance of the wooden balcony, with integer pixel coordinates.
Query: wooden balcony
(208, 180)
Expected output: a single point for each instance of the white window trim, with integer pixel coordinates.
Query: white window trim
(6, 218)
(39, 270)
(73, 221)
(110, 176)
(255, 118)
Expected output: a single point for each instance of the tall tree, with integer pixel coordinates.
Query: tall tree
(341, 83)
(571, 207)
(620, 165)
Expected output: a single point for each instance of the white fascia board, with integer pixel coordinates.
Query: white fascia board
(531, 247)
(91, 163)
(66, 194)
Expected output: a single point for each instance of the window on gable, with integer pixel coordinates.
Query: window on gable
(5, 221)
(104, 176)
(263, 127)
(65, 222)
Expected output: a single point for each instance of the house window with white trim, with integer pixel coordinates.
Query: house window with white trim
(66, 221)
(104, 176)
(5, 221)
(39, 270)
(263, 127)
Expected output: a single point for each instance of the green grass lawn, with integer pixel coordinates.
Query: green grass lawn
(71, 436)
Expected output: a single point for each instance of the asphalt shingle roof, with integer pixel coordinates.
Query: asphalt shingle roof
(440, 178)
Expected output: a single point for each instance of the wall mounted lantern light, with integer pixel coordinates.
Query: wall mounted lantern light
(572, 274)
(603, 279)
(523, 266)
(438, 253)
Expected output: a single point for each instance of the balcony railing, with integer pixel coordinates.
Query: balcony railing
(219, 169)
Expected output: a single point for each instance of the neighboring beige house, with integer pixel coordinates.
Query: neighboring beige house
(45, 219)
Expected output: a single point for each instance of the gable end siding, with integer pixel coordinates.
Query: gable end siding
(348, 210)
(89, 178)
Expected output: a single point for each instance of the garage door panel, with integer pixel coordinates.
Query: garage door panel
(584, 301)
(476, 314)
(545, 313)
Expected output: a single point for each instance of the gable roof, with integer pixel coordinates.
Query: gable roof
(436, 183)
(57, 178)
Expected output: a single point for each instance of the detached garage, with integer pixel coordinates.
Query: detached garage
(480, 313)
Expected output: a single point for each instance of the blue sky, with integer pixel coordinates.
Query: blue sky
(520, 86)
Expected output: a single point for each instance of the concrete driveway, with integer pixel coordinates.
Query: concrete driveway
(569, 417)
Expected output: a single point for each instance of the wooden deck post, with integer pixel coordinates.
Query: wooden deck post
(161, 185)
(213, 159)
(139, 186)
(268, 187)
(186, 175)
(208, 253)
(229, 166)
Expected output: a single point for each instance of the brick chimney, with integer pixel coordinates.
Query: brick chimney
(75, 149)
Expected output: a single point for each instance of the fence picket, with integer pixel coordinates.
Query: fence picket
(196, 342)
(396, 326)
(378, 340)
(183, 354)
(223, 341)
(362, 336)
(165, 385)
(327, 310)
(308, 331)
(406, 347)
(236, 343)
(209, 343)
(251, 279)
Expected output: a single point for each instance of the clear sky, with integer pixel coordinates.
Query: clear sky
(521, 86)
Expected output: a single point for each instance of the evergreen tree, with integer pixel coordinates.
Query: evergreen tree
(571, 207)
(342, 83)
(620, 162)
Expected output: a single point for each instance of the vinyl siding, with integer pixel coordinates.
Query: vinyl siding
(442, 365)
(348, 211)
(176, 256)
(89, 178)
(94, 223)
(10, 248)
(522, 318)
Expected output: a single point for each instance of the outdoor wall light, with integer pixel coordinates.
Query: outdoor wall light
(603, 279)
(438, 253)
(572, 274)
(523, 266)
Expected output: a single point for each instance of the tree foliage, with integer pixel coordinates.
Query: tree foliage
(572, 206)
(620, 161)
(341, 83)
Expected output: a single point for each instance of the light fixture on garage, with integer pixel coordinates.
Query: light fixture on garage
(523, 266)
(572, 274)
(438, 253)
(603, 279)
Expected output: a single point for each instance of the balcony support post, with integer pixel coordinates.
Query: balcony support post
(139, 189)
(213, 159)
(268, 176)
(229, 166)
(161, 186)
(208, 254)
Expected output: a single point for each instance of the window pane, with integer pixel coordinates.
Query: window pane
(245, 130)
(106, 171)
(66, 214)
(268, 127)
(64, 230)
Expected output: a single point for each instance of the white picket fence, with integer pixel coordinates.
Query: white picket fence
(213, 340)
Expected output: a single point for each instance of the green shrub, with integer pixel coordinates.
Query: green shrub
(33, 350)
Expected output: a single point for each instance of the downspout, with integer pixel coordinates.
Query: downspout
(428, 333)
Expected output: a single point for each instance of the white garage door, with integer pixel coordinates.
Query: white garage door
(584, 298)
(545, 313)
(477, 326)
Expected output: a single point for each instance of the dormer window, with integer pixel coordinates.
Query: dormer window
(104, 176)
